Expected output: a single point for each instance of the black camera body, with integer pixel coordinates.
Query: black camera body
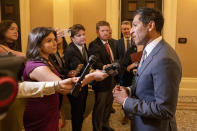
(112, 69)
(9, 67)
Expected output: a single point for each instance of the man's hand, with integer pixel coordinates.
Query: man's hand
(120, 93)
(97, 75)
(62, 32)
(66, 85)
(134, 71)
(131, 66)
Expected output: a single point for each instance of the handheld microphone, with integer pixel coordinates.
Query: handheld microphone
(75, 91)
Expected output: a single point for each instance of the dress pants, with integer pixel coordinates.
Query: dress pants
(78, 105)
(102, 110)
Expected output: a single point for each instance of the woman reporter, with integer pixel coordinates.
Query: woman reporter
(42, 113)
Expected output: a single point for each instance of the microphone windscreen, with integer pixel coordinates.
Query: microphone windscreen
(92, 59)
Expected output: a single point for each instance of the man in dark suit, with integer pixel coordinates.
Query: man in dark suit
(76, 54)
(153, 99)
(104, 50)
(124, 48)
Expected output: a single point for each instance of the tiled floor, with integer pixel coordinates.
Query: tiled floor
(186, 116)
(114, 121)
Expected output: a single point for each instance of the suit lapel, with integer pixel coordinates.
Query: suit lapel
(148, 60)
(77, 51)
(112, 48)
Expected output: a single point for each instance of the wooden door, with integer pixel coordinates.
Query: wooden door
(128, 7)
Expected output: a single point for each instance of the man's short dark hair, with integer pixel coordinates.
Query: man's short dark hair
(75, 29)
(150, 14)
(102, 23)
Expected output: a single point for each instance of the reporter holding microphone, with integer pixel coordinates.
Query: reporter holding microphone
(42, 113)
(41, 43)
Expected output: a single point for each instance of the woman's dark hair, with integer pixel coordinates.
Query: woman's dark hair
(4, 26)
(35, 39)
(150, 14)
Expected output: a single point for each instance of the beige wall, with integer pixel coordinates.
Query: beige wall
(87, 13)
(25, 22)
(113, 16)
(41, 13)
(186, 27)
(62, 13)
(169, 11)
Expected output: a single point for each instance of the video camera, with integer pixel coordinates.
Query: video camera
(9, 67)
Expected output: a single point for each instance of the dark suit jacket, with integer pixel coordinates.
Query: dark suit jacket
(120, 49)
(73, 57)
(97, 48)
(125, 60)
(154, 96)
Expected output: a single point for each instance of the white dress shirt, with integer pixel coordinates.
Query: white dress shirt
(152, 45)
(80, 48)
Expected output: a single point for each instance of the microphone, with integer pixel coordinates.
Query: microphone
(75, 91)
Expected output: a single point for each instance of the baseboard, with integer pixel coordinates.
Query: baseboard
(188, 87)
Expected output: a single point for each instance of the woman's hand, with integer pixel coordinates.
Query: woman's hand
(97, 75)
(66, 85)
(132, 66)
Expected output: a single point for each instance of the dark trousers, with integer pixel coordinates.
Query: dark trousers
(102, 110)
(78, 105)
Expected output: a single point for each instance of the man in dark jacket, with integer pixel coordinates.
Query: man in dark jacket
(75, 55)
(104, 50)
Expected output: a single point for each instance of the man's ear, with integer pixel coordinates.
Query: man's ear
(151, 25)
